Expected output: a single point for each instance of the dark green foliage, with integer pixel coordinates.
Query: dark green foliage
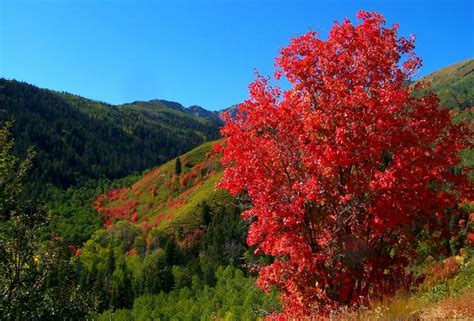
(235, 297)
(224, 242)
(72, 216)
(205, 214)
(177, 166)
(36, 278)
(76, 138)
(121, 295)
(12, 173)
(20, 265)
(156, 273)
(173, 253)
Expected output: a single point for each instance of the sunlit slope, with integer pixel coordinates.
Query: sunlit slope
(163, 199)
(454, 85)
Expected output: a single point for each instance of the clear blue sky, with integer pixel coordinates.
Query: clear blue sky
(194, 52)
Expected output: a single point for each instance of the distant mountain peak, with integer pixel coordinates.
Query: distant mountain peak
(194, 110)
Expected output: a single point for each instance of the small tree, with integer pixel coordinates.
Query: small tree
(205, 214)
(344, 168)
(177, 166)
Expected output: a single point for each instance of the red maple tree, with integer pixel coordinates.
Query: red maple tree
(344, 168)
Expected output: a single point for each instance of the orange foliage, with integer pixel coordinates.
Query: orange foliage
(442, 271)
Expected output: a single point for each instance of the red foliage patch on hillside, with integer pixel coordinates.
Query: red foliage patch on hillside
(157, 195)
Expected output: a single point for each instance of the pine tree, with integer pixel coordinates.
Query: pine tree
(177, 167)
(205, 214)
(121, 296)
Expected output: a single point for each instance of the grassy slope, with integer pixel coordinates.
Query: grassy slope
(446, 294)
(454, 85)
(163, 199)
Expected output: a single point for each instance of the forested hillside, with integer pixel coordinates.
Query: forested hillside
(172, 242)
(161, 199)
(78, 139)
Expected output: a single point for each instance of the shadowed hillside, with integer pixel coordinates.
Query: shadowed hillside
(78, 139)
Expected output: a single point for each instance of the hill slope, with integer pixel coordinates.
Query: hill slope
(163, 199)
(77, 138)
(454, 85)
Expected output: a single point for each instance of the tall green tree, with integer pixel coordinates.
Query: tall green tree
(22, 270)
(177, 166)
(34, 276)
(121, 294)
(205, 214)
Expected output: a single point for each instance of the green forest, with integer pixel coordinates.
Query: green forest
(78, 139)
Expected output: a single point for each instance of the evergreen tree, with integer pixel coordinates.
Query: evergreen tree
(205, 214)
(177, 166)
(121, 296)
(173, 253)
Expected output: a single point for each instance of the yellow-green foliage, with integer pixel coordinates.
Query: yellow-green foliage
(235, 297)
(454, 85)
(166, 200)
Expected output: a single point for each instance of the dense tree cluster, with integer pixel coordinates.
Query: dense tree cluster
(125, 262)
(234, 297)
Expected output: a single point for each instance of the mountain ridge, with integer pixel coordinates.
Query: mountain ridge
(78, 138)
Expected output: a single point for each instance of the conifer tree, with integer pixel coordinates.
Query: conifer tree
(177, 166)
(205, 214)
